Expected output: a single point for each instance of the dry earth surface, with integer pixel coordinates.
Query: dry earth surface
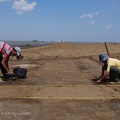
(59, 85)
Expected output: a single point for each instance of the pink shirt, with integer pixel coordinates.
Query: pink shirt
(5, 48)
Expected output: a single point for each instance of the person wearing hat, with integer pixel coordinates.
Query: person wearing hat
(110, 68)
(5, 52)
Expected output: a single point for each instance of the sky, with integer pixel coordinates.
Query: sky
(60, 20)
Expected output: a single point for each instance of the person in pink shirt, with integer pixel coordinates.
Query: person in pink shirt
(5, 52)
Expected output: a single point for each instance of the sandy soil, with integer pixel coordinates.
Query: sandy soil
(59, 85)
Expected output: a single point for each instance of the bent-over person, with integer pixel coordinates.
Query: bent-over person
(110, 68)
(5, 52)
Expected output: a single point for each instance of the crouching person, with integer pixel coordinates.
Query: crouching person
(6, 52)
(110, 68)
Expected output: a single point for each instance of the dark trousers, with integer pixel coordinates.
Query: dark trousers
(1, 67)
(115, 73)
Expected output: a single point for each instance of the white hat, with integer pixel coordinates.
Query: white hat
(17, 49)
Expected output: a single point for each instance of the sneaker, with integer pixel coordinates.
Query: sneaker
(1, 81)
(118, 82)
(113, 82)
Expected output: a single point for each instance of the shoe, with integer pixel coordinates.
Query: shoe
(118, 82)
(113, 82)
(1, 81)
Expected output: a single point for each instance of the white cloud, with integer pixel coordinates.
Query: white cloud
(83, 16)
(89, 15)
(92, 22)
(86, 15)
(22, 6)
(108, 26)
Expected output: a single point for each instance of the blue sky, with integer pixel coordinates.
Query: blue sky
(64, 20)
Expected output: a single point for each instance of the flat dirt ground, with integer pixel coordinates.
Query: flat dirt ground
(59, 85)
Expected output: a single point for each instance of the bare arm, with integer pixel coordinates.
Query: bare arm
(106, 74)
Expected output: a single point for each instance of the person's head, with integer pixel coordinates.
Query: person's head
(103, 58)
(16, 52)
